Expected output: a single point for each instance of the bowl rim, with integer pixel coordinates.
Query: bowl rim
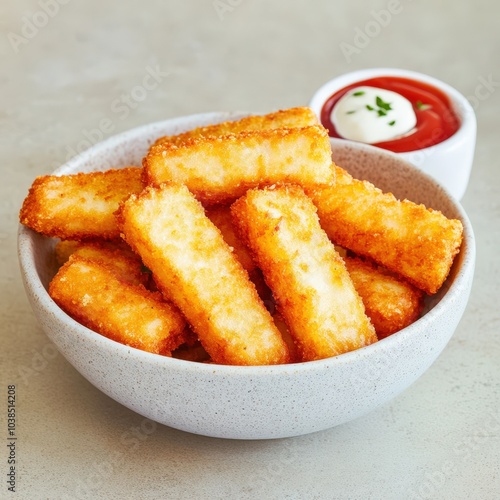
(463, 108)
(26, 240)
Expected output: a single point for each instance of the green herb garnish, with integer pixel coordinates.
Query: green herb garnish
(383, 107)
(358, 93)
(420, 105)
(350, 112)
(392, 123)
(382, 104)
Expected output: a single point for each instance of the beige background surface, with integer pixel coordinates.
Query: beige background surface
(74, 72)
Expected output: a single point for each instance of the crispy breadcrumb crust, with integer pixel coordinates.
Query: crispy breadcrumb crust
(222, 218)
(195, 268)
(92, 293)
(116, 254)
(220, 169)
(390, 302)
(79, 206)
(407, 250)
(285, 118)
(411, 240)
(309, 280)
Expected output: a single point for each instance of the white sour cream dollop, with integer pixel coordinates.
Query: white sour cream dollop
(371, 115)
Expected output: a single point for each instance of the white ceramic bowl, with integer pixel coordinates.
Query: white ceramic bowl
(450, 161)
(264, 401)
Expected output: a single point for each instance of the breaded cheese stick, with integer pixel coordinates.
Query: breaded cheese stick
(93, 295)
(309, 280)
(391, 303)
(194, 266)
(285, 118)
(116, 255)
(408, 239)
(65, 248)
(223, 220)
(220, 169)
(79, 206)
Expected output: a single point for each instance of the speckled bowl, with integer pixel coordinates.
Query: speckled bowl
(265, 401)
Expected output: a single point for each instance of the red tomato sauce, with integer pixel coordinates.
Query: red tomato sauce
(436, 120)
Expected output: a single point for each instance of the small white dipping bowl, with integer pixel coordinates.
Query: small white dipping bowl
(264, 401)
(450, 161)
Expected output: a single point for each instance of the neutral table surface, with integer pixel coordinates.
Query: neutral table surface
(74, 72)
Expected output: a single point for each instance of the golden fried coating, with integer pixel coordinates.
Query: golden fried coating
(220, 169)
(79, 206)
(286, 118)
(65, 248)
(417, 243)
(309, 280)
(390, 302)
(93, 295)
(195, 267)
(223, 220)
(116, 255)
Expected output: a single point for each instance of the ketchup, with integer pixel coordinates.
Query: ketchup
(436, 120)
